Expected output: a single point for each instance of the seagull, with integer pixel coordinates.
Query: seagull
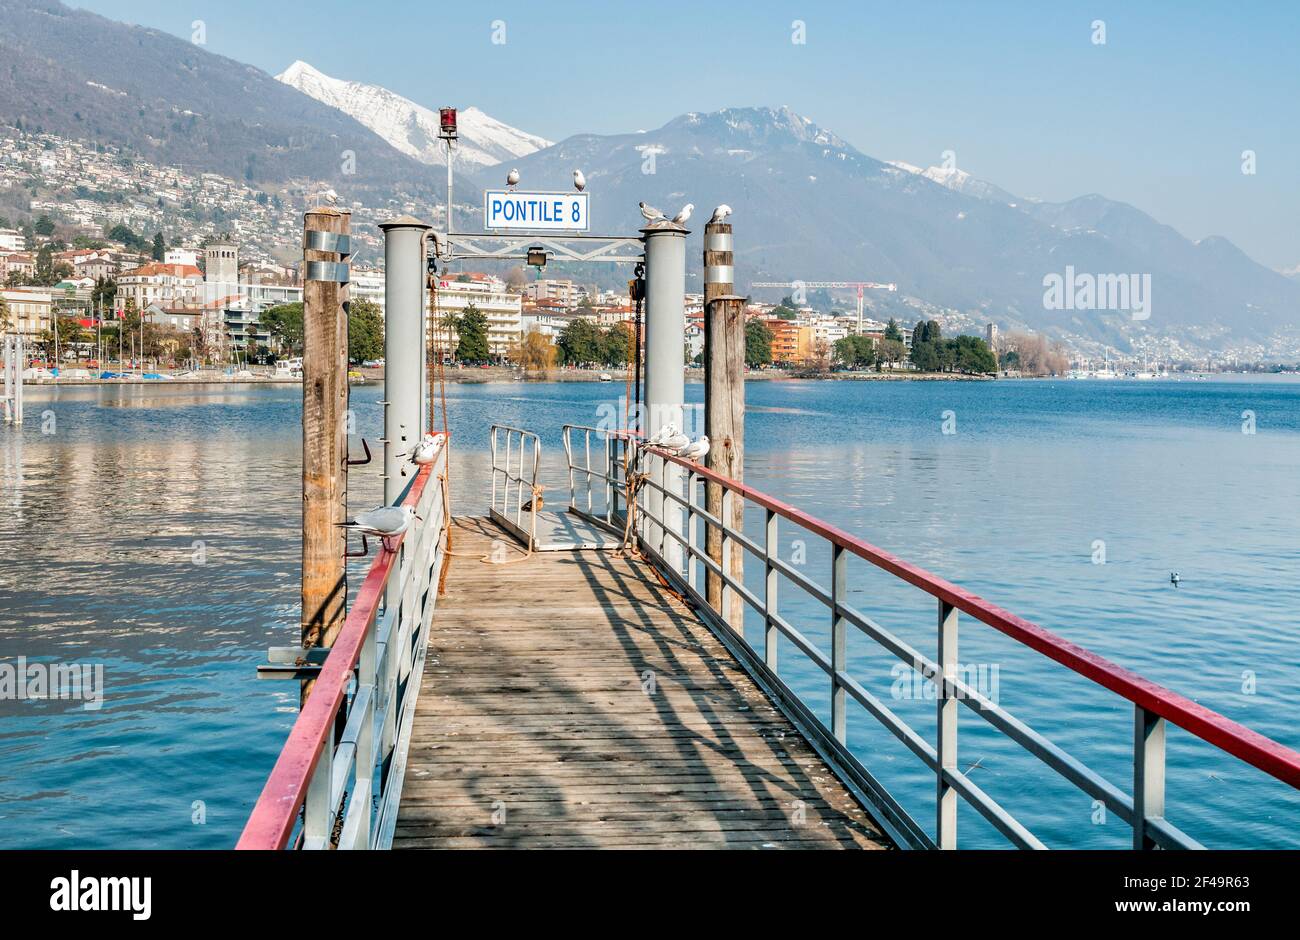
(1174, 578)
(681, 217)
(387, 522)
(665, 432)
(512, 178)
(534, 504)
(650, 213)
(326, 197)
(720, 213)
(675, 441)
(695, 450)
(426, 451)
(579, 181)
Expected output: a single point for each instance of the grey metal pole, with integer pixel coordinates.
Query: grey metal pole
(665, 364)
(404, 303)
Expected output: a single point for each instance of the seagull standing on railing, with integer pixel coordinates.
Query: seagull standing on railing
(665, 432)
(387, 522)
(676, 441)
(695, 451)
(579, 181)
(512, 178)
(426, 452)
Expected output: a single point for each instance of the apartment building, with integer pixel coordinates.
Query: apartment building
(31, 311)
(504, 310)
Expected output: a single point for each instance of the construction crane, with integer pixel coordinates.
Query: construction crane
(860, 285)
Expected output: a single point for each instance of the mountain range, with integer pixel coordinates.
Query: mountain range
(412, 128)
(807, 204)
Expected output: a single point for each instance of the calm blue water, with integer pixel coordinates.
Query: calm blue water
(101, 520)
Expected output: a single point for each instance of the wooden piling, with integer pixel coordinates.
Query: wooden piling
(724, 408)
(324, 434)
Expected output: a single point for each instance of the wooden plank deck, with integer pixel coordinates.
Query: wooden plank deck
(571, 701)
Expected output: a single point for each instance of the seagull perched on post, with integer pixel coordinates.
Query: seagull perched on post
(695, 450)
(387, 522)
(720, 213)
(681, 217)
(512, 178)
(650, 213)
(579, 181)
(426, 452)
(325, 197)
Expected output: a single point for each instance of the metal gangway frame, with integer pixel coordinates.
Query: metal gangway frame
(12, 361)
(1154, 707)
(526, 447)
(345, 786)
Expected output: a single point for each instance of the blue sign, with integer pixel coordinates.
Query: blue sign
(536, 212)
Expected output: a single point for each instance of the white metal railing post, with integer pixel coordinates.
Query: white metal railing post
(771, 543)
(1148, 773)
(692, 540)
(317, 814)
(839, 641)
(367, 678)
(728, 549)
(946, 746)
(609, 486)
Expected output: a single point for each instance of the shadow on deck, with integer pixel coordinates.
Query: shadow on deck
(571, 701)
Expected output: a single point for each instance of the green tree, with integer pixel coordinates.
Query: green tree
(892, 332)
(4, 316)
(758, 344)
(472, 330)
(44, 226)
(159, 248)
(365, 331)
(579, 343)
(856, 352)
(284, 323)
(890, 351)
(614, 345)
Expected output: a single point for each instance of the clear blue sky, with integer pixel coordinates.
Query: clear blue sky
(1158, 116)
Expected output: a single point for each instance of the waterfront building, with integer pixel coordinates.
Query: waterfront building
(30, 311)
(504, 310)
(168, 285)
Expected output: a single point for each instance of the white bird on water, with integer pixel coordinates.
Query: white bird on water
(512, 178)
(650, 213)
(426, 452)
(579, 181)
(720, 213)
(387, 522)
(695, 450)
(681, 217)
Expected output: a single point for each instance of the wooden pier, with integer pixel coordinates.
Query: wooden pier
(570, 700)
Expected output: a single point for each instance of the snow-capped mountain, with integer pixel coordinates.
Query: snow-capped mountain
(413, 128)
(959, 181)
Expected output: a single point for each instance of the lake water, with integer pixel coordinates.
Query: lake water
(105, 522)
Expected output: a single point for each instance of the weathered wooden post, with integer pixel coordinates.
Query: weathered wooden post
(724, 411)
(326, 247)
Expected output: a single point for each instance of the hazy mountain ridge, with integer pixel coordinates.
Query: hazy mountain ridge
(809, 206)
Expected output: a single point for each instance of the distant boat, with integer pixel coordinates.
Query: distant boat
(606, 377)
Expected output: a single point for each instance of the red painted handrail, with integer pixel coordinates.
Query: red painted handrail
(274, 815)
(1268, 755)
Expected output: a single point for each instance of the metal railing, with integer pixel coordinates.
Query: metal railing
(1154, 707)
(345, 785)
(582, 493)
(515, 467)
